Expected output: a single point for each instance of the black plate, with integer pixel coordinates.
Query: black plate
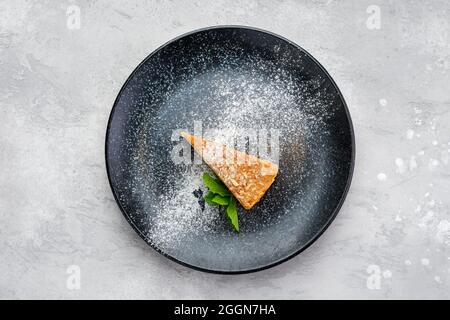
(229, 77)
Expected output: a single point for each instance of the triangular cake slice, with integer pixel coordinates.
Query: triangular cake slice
(246, 176)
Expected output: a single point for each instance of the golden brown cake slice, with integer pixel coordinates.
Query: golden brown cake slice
(246, 176)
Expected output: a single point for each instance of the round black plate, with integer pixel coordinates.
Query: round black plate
(227, 78)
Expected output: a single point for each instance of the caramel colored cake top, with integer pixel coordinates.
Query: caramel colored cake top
(246, 176)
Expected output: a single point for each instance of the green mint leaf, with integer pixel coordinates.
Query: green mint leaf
(209, 197)
(232, 214)
(219, 195)
(214, 185)
(223, 201)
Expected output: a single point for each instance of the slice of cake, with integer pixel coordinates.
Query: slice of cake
(246, 176)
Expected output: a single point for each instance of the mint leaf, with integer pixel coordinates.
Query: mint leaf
(223, 201)
(219, 195)
(232, 214)
(214, 185)
(209, 197)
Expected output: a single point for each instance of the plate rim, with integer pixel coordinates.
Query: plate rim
(318, 233)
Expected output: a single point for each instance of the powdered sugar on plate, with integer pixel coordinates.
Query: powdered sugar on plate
(230, 100)
(180, 213)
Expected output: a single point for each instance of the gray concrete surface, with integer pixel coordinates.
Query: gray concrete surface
(58, 81)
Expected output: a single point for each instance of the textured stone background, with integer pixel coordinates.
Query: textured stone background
(57, 87)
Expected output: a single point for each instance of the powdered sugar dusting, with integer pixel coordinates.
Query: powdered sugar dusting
(260, 94)
(180, 214)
